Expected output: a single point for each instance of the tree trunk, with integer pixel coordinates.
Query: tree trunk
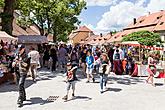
(8, 16)
(54, 36)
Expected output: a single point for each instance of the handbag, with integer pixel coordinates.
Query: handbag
(108, 69)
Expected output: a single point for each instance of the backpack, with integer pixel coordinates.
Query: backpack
(117, 56)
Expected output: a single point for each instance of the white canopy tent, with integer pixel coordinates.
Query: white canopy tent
(131, 43)
(6, 38)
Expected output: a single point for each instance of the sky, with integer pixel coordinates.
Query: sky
(103, 16)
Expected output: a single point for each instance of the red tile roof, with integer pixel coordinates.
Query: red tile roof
(33, 30)
(83, 29)
(50, 38)
(149, 21)
(161, 25)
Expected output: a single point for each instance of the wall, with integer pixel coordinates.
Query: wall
(80, 36)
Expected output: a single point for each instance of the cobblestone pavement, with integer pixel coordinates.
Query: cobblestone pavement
(124, 93)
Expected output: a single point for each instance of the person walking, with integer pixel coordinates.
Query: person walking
(117, 61)
(70, 80)
(151, 69)
(53, 55)
(90, 66)
(83, 56)
(104, 70)
(62, 57)
(23, 62)
(34, 61)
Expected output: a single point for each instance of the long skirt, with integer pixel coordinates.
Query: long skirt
(118, 68)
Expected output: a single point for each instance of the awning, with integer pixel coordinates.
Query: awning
(32, 39)
(6, 37)
(131, 43)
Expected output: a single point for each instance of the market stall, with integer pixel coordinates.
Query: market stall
(34, 41)
(6, 38)
(4, 74)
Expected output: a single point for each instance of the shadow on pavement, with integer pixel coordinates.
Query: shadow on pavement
(113, 89)
(43, 75)
(37, 100)
(159, 84)
(8, 87)
(126, 80)
(85, 98)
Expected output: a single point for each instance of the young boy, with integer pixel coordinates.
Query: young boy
(70, 80)
(90, 66)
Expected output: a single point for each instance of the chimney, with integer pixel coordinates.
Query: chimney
(149, 13)
(111, 33)
(101, 35)
(134, 21)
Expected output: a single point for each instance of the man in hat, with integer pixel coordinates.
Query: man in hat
(23, 62)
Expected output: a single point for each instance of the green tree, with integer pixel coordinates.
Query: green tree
(144, 37)
(53, 16)
(1, 3)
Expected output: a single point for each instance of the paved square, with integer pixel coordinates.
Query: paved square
(124, 93)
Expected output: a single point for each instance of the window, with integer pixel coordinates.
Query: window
(159, 17)
(141, 21)
(161, 23)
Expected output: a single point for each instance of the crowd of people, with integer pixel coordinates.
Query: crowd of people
(91, 59)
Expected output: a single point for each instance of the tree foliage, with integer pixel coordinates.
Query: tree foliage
(144, 37)
(1, 3)
(53, 16)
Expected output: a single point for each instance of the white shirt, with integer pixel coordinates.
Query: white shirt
(120, 52)
(34, 56)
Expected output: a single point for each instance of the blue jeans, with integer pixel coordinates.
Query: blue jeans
(103, 80)
(21, 89)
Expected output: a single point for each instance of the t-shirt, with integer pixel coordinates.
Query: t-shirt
(89, 61)
(34, 55)
(71, 76)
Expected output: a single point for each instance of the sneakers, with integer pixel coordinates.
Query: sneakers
(73, 95)
(65, 98)
(93, 79)
(34, 80)
(101, 91)
(87, 81)
(20, 102)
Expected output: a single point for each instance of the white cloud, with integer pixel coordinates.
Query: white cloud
(100, 2)
(119, 16)
(156, 5)
(122, 14)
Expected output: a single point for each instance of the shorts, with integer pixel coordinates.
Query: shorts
(89, 71)
(69, 84)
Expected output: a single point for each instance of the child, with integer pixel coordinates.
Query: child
(104, 70)
(90, 66)
(70, 80)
